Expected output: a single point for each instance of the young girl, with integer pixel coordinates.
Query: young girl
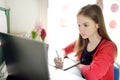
(94, 48)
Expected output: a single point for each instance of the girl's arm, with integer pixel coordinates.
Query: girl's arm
(68, 49)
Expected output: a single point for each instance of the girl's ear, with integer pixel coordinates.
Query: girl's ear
(97, 26)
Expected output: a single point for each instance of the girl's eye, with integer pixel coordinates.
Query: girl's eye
(86, 25)
(78, 25)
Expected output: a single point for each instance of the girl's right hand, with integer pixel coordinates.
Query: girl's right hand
(58, 63)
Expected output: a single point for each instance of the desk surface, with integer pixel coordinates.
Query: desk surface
(70, 74)
(58, 74)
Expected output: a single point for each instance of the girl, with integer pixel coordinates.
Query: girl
(94, 48)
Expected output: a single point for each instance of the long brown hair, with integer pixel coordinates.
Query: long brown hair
(95, 13)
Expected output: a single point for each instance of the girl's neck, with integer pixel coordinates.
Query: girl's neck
(93, 42)
(95, 39)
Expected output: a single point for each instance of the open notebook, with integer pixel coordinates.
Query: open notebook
(69, 63)
(68, 72)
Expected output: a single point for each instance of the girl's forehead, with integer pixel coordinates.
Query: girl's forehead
(83, 19)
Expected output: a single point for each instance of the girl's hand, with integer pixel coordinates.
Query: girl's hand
(80, 65)
(58, 62)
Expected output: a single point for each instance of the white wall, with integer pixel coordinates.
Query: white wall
(2, 3)
(24, 14)
(62, 24)
(62, 27)
(112, 13)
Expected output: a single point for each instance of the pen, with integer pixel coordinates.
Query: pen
(58, 55)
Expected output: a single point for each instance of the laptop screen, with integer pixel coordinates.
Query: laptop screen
(25, 58)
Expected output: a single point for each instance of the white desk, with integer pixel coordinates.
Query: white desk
(58, 74)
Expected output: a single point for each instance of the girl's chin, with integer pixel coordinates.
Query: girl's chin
(84, 37)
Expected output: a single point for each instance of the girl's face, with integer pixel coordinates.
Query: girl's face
(87, 27)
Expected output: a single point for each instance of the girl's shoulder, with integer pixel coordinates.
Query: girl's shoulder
(106, 43)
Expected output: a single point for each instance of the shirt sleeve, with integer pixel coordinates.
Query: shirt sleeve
(70, 48)
(103, 59)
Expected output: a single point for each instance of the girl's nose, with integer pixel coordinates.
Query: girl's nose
(81, 29)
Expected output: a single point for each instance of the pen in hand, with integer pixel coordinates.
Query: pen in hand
(58, 55)
(58, 61)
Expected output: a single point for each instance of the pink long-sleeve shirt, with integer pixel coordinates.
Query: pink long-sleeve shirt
(102, 65)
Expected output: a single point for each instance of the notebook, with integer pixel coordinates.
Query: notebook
(69, 63)
(25, 59)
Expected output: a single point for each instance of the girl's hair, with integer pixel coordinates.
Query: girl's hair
(94, 12)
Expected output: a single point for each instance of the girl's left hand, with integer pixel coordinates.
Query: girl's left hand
(80, 65)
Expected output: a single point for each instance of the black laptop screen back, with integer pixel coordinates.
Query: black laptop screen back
(24, 57)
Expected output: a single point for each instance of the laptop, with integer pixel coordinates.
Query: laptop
(25, 59)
